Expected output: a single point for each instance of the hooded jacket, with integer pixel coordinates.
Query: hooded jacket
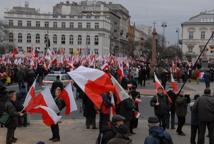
(157, 133)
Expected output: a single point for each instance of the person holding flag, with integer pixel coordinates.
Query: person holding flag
(161, 105)
(61, 105)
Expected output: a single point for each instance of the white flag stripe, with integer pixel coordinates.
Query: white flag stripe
(52, 114)
(29, 97)
(49, 99)
(73, 106)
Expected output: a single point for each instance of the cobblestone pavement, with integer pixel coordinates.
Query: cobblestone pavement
(74, 132)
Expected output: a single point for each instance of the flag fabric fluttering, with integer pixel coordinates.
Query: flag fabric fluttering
(93, 82)
(174, 84)
(68, 97)
(49, 116)
(158, 85)
(30, 96)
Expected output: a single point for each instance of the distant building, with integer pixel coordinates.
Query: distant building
(195, 33)
(85, 28)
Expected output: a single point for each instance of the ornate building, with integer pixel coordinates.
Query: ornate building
(88, 27)
(195, 33)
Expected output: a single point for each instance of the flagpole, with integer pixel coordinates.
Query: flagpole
(197, 60)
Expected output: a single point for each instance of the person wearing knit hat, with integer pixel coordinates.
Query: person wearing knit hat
(157, 134)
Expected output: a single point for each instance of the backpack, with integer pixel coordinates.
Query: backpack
(164, 140)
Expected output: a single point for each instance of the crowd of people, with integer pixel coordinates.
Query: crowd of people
(117, 129)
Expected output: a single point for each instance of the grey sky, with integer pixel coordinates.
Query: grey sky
(145, 12)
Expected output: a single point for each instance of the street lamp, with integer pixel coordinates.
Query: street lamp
(164, 25)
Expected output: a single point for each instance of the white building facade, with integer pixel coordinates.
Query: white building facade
(81, 34)
(195, 33)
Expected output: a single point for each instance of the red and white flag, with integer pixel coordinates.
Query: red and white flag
(45, 98)
(49, 117)
(30, 96)
(174, 84)
(93, 82)
(68, 97)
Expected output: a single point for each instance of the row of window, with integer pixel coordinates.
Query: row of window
(191, 35)
(55, 39)
(55, 24)
(71, 50)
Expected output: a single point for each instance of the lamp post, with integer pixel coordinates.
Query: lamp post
(164, 25)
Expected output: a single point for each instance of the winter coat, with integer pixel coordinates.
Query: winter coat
(163, 107)
(204, 106)
(88, 107)
(126, 108)
(181, 105)
(173, 97)
(11, 110)
(157, 133)
(194, 115)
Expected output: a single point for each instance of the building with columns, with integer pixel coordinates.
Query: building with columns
(85, 28)
(195, 33)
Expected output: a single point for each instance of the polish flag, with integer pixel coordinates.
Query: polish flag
(68, 97)
(45, 98)
(49, 116)
(158, 85)
(93, 82)
(30, 96)
(174, 84)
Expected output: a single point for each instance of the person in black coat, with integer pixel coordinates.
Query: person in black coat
(61, 104)
(56, 83)
(30, 77)
(3, 98)
(135, 95)
(173, 97)
(161, 106)
(89, 111)
(13, 119)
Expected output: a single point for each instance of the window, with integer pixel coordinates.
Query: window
(28, 38)
(10, 37)
(96, 25)
(79, 25)
(88, 40)
(55, 24)
(96, 40)
(71, 39)
(29, 49)
(71, 50)
(191, 35)
(28, 23)
(37, 38)
(71, 25)
(46, 24)
(190, 48)
(79, 41)
(96, 51)
(55, 39)
(88, 25)
(203, 35)
(37, 24)
(97, 17)
(63, 39)
(19, 37)
(19, 23)
(20, 49)
(10, 22)
(63, 25)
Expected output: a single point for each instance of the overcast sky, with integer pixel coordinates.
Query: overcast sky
(145, 12)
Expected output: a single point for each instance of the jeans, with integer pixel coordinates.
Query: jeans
(194, 130)
(55, 131)
(181, 122)
(10, 135)
(202, 130)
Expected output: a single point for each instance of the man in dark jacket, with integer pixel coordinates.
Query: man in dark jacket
(13, 120)
(181, 111)
(61, 104)
(204, 106)
(56, 83)
(30, 77)
(161, 106)
(157, 135)
(89, 111)
(173, 97)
